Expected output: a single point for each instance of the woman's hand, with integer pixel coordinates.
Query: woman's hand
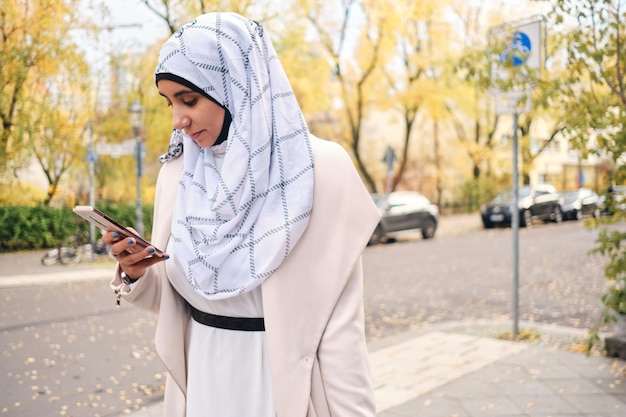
(133, 259)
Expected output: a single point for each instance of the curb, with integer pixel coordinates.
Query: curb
(55, 278)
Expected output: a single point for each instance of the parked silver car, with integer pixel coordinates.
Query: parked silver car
(404, 210)
(579, 203)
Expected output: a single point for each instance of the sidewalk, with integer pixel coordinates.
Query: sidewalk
(446, 371)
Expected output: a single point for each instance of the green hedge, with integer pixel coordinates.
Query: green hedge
(42, 227)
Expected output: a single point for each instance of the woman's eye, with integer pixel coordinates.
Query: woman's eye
(190, 102)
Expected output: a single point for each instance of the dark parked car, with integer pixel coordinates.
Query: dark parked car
(579, 203)
(536, 202)
(404, 210)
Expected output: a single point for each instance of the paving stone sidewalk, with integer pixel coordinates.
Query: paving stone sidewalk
(457, 370)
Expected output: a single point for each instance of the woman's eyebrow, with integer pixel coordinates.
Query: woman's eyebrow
(178, 93)
(183, 92)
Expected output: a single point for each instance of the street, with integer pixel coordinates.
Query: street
(470, 276)
(68, 351)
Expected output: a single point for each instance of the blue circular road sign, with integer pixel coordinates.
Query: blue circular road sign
(517, 50)
(92, 157)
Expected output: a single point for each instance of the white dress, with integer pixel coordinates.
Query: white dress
(228, 373)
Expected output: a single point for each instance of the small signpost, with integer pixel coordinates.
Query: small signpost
(520, 51)
(390, 158)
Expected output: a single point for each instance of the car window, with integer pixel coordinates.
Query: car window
(570, 196)
(503, 196)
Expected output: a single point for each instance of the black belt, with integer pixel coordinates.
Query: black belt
(229, 323)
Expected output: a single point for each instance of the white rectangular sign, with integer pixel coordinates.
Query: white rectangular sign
(128, 147)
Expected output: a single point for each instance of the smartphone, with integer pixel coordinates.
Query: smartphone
(104, 222)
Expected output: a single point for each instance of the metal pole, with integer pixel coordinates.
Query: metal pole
(515, 227)
(138, 209)
(92, 199)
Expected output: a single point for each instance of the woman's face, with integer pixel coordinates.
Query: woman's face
(196, 115)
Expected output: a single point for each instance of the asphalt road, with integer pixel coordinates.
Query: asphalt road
(469, 276)
(68, 351)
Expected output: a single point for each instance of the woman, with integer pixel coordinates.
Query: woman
(260, 296)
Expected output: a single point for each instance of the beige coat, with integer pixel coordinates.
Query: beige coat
(313, 304)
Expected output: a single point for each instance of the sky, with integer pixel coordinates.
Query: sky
(131, 27)
(132, 12)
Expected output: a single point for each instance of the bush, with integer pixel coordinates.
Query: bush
(125, 214)
(610, 243)
(43, 227)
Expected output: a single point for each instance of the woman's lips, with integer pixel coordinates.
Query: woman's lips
(195, 136)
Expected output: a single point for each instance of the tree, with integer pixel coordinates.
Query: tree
(175, 13)
(594, 92)
(55, 120)
(594, 99)
(352, 34)
(34, 40)
(474, 120)
(419, 77)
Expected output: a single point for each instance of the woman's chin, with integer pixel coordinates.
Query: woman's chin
(204, 143)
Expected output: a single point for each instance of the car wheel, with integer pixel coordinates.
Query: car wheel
(428, 228)
(578, 214)
(557, 215)
(527, 219)
(377, 236)
(596, 213)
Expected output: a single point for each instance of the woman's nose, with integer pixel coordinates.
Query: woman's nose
(179, 120)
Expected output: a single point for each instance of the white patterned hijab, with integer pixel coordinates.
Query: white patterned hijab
(232, 229)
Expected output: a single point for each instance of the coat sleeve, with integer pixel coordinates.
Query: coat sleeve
(146, 293)
(343, 356)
